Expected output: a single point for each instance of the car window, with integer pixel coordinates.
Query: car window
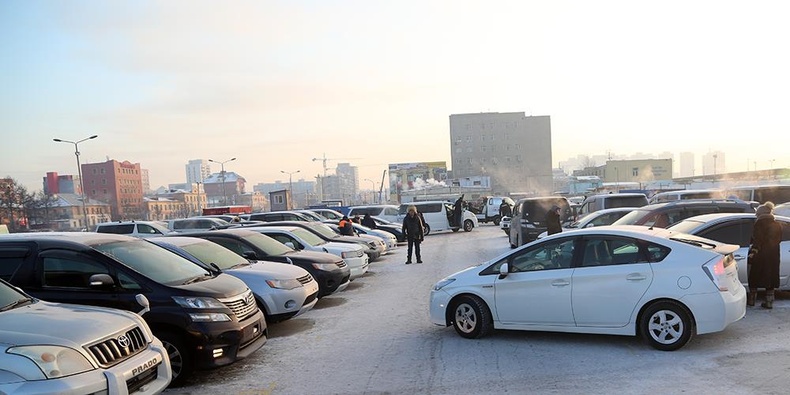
(626, 201)
(234, 245)
(430, 208)
(152, 261)
(126, 282)
(147, 229)
(121, 229)
(556, 254)
(282, 238)
(70, 272)
(734, 232)
(11, 258)
(208, 252)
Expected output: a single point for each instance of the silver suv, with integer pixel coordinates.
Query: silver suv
(60, 348)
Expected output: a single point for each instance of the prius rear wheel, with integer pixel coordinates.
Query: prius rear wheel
(666, 326)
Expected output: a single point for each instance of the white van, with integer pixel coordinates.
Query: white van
(777, 194)
(437, 215)
(683, 194)
(384, 211)
(594, 203)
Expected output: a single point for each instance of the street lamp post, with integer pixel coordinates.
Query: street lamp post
(79, 173)
(290, 181)
(222, 176)
(373, 191)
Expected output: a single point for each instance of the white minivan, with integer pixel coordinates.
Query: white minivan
(438, 216)
(384, 211)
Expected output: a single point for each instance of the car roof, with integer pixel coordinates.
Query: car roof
(285, 228)
(84, 238)
(693, 202)
(178, 240)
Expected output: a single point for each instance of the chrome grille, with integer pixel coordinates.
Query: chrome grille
(341, 264)
(305, 279)
(242, 305)
(118, 348)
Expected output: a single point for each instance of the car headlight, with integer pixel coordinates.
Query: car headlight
(443, 283)
(284, 284)
(54, 361)
(325, 266)
(209, 317)
(351, 254)
(198, 302)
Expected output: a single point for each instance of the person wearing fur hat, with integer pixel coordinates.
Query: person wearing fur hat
(763, 262)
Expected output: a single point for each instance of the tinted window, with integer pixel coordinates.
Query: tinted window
(535, 210)
(430, 208)
(735, 232)
(152, 261)
(361, 211)
(390, 211)
(626, 201)
(11, 258)
(208, 252)
(121, 229)
(777, 194)
(70, 272)
(147, 229)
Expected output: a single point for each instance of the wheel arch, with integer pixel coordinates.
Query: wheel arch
(449, 313)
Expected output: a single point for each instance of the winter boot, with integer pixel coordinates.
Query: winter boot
(769, 299)
(751, 296)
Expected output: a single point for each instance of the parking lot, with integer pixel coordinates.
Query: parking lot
(375, 338)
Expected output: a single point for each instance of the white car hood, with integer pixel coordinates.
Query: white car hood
(62, 324)
(266, 270)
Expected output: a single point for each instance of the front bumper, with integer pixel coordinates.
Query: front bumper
(357, 266)
(117, 379)
(438, 304)
(222, 343)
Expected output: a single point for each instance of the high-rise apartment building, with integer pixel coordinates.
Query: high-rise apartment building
(686, 164)
(713, 163)
(513, 149)
(119, 184)
(197, 170)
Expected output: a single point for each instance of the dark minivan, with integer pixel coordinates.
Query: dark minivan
(204, 320)
(332, 274)
(529, 217)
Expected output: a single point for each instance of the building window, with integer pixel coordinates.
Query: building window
(469, 138)
(102, 171)
(278, 199)
(635, 172)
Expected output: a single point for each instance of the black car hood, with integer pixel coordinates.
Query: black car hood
(222, 286)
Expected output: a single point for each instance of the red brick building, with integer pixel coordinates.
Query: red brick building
(119, 184)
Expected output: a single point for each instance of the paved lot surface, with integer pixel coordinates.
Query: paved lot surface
(375, 338)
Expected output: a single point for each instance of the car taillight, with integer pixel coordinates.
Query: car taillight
(717, 274)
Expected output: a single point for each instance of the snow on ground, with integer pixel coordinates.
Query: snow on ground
(376, 338)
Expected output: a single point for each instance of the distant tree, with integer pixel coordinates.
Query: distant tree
(14, 203)
(587, 162)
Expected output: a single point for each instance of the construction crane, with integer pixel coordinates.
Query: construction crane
(324, 159)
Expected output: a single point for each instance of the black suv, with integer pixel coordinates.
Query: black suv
(329, 270)
(204, 320)
(663, 215)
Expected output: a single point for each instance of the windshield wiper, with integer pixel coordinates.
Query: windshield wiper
(201, 277)
(15, 304)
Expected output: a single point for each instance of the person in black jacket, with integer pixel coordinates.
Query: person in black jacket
(368, 221)
(413, 229)
(553, 224)
(764, 256)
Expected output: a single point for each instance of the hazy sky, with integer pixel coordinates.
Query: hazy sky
(277, 83)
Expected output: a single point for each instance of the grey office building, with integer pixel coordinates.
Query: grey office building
(513, 149)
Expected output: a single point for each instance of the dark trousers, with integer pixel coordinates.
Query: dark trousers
(414, 244)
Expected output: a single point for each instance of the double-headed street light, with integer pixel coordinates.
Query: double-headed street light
(222, 176)
(373, 190)
(290, 181)
(79, 173)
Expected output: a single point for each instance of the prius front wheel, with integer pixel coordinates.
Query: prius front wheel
(471, 317)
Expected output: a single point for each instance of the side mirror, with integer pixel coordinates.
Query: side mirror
(504, 270)
(250, 255)
(143, 301)
(101, 281)
(290, 244)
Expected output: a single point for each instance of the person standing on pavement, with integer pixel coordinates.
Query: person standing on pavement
(763, 262)
(413, 229)
(368, 221)
(553, 224)
(458, 210)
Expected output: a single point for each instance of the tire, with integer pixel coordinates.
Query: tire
(180, 360)
(666, 326)
(471, 317)
(427, 230)
(468, 225)
(497, 219)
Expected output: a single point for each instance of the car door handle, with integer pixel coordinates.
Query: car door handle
(560, 283)
(738, 257)
(635, 277)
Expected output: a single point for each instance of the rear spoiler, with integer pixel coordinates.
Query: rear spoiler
(721, 248)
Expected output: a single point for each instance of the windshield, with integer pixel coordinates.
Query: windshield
(154, 262)
(324, 230)
(631, 218)
(267, 244)
(210, 252)
(308, 237)
(685, 226)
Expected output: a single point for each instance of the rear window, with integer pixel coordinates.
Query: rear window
(121, 229)
(535, 210)
(626, 201)
(364, 210)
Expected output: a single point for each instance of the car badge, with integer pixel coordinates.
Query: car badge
(123, 341)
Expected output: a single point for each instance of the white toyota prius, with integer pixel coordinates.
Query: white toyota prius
(620, 280)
